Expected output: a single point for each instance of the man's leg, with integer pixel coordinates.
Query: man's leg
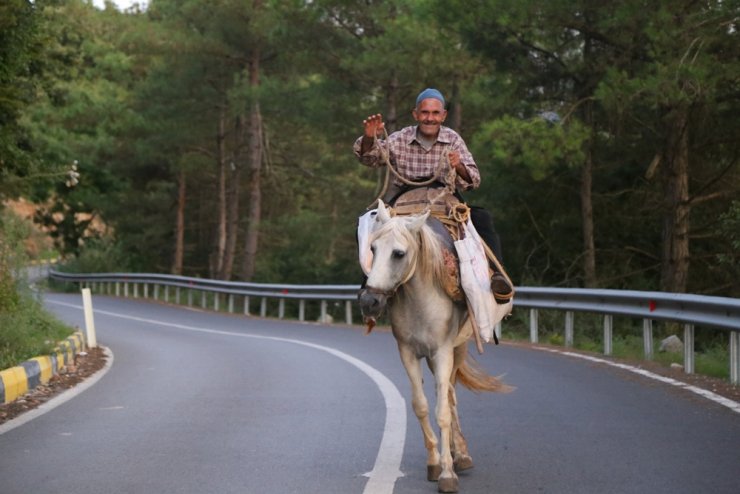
(483, 223)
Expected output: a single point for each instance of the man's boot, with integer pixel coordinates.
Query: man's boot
(501, 288)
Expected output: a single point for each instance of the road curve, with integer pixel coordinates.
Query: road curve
(197, 402)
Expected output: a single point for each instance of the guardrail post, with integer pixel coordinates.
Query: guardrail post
(647, 338)
(156, 292)
(246, 305)
(348, 311)
(125, 289)
(688, 348)
(281, 308)
(118, 289)
(146, 290)
(569, 320)
(735, 357)
(231, 303)
(301, 310)
(263, 307)
(608, 329)
(136, 290)
(533, 326)
(216, 297)
(323, 311)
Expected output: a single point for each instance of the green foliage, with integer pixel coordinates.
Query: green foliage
(729, 228)
(144, 99)
(535, 144)
(28, 331)
(13, 259)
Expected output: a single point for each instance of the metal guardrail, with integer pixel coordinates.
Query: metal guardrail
(690, 310)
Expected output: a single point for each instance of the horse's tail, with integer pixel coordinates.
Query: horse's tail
(471, 375)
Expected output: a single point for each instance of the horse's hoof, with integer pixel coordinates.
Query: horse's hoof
(448, 484)
(433, 472)
(463, 462)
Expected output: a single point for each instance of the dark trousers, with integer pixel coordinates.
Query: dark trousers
(483, 223)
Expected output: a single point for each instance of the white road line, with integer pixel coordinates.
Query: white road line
(721, 400)
(60, 398)
(387, 468)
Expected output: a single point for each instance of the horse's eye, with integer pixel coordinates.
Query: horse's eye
(398, 254)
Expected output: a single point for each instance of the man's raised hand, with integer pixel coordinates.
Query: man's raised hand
(373, 125)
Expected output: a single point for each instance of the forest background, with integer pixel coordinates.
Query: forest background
(213, 138)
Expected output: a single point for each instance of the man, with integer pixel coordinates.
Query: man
(416, 151)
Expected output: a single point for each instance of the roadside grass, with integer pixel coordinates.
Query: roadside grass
(711, 355)
(28, 331)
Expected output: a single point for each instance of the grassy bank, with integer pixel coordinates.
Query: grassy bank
(26, 331)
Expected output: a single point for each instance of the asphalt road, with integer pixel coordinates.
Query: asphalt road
(197, 402)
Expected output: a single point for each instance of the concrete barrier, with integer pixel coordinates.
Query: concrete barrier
(19, 380)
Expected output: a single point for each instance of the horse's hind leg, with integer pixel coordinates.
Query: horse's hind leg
(421, 408)
(460, 456)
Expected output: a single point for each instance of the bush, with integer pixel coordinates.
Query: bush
(100, 255)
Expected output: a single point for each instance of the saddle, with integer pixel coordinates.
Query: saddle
(442, 205)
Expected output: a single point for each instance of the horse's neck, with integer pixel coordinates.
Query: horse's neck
(419, 293)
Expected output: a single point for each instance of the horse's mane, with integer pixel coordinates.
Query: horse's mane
(430, 258)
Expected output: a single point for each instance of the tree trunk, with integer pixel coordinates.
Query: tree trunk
(220, 243)
(675, 171)
(232, 208)
(255, 180)
(587, 222)
(586, 192)
(179, 225)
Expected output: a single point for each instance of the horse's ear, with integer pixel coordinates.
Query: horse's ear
(383, 215)
(418, 222)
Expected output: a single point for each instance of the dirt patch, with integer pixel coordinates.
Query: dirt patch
(85, 365)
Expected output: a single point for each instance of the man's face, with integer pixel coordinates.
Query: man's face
(430, 114)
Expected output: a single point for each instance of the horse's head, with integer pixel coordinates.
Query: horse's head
(395, 247)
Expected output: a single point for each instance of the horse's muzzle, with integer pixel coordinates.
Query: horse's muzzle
(372, 302)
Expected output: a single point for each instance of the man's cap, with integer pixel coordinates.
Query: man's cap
(430, 93)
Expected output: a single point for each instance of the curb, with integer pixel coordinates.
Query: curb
(19, 380)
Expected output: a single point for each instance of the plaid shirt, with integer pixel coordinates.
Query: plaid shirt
(413, 162)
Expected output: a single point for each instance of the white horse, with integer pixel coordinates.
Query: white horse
(407, 276)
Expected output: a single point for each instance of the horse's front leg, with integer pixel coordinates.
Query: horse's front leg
(443, 365)
(419, 402)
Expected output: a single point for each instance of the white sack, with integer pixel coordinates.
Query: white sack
(476, 283)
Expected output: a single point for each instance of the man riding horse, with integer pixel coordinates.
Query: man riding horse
(416, 153)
